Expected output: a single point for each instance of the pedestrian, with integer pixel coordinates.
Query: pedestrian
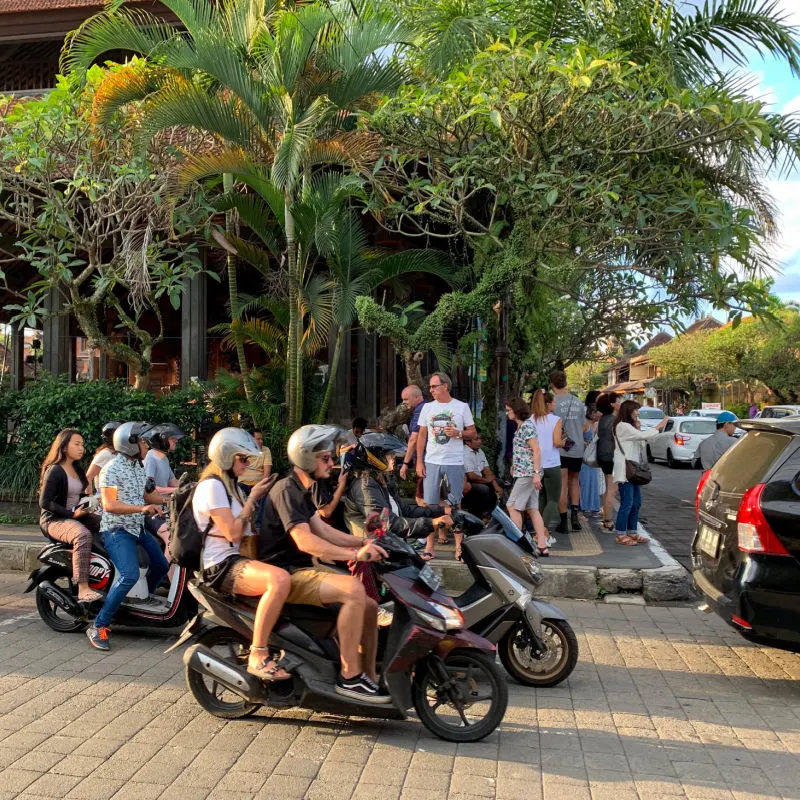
(481, 489)
(412, 397)
(125, 504)
(713, 447)
(607, 404)
(526, 470)
(630, 445)
(589, 482)
(103, 455)
(259, 467)
(753, 413)
(443, 424)
(549, 429)
(63, 483)
(573, 414)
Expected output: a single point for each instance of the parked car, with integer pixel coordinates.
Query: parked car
(778, 412)
(709, 413)
(746, 549)
(678, 442)
(649, 417)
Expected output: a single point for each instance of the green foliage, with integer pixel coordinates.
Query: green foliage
(742, 410)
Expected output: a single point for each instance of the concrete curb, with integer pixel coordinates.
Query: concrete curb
(670, 581)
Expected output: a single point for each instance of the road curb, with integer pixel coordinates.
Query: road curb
(16, 556)
(670, 581)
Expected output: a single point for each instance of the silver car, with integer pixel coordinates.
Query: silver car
(649, 417)
(678, 443)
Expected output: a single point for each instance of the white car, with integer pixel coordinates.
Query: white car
(649, 417)
(778, 412)
(706, 413)
(678, 443)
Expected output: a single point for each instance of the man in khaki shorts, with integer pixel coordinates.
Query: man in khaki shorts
(293, 533)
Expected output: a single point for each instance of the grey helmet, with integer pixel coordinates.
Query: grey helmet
(230, 442)
(127, 436)
(306, 442)
(159, 435)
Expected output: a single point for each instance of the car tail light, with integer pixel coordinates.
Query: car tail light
(703, 480)
(682, 438)
(755, 534)
(741, 623)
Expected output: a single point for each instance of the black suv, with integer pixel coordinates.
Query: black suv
(746, 549)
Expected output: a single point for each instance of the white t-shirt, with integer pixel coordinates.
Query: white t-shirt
(474, 460)
(208, 495)
(435, 416)
(544, 431)
(105, 456)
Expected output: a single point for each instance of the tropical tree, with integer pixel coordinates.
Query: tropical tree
(278, 84)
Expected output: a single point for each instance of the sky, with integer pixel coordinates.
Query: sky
(781, 89)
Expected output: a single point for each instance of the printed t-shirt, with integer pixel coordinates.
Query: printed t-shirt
(440, 449)
(128, 477)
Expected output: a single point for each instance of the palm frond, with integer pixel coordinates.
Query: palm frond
(316, 299)
(134, 81)
(256, 256)
(258, 215)
(386, 267)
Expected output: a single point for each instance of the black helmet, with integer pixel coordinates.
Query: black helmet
(159, 435)
(107, 434)
(374, 449)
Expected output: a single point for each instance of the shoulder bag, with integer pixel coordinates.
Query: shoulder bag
(636, 472)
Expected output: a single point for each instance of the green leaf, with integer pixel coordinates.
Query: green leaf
(496, 119)
(552, 196)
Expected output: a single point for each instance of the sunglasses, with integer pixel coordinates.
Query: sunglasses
(435, 385)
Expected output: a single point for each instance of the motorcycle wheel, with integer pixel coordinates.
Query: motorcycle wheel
(212, 696)
(482, 697)
(516, 652)
(54, 616)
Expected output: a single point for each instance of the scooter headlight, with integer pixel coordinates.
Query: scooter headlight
(534, 569)
(451, 619)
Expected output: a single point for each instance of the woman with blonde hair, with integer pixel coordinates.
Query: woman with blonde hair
(225, 515)
(549, 430)
(63, 483)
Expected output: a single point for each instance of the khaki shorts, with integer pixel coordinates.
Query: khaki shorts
(524, 495)
(305, 587)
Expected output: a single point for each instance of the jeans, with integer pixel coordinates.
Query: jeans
(630, 501)
(121, 546)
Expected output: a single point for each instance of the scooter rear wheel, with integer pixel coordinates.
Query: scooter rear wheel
(212, 696)
(53, 615)
(516, 652)
(471, 707)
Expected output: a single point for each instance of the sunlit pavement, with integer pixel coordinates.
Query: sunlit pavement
(664, 702)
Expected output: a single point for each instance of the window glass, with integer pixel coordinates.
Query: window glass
(748, 462)
(651, 413)
(698, 426)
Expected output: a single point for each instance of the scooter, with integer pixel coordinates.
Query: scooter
(57, 593)
(536, 644)
(448, 674)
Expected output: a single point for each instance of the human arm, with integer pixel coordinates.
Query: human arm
(318, 539)
(53, 490)
(113, 505)
(422, 438)
(92, 473)
(326, 510)
(533, 444)
(410, 451)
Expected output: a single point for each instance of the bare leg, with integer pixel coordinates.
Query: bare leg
(575, 488)
(538, 527)
(516, 516)
(350, 593)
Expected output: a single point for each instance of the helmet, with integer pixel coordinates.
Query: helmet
(373, 451)
(309, 440)
(227, 443)
(107, 434)
(159, 435)
(726, 416)
(127, 436)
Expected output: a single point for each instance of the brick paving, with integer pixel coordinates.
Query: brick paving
(665, 703)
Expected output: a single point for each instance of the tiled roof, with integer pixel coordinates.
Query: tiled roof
(704, 324)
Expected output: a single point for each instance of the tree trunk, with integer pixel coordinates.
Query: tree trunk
(293, 343)
(233, 292)
(411, 361)
(332, 373)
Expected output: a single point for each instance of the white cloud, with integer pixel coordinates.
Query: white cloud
(792, 106)
(786, 249)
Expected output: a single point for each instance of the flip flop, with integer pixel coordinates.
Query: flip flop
(93, 597)
(426, 556)
(628, 541)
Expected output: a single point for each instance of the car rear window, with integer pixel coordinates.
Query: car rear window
(698, 426)
(650, 413)
(746, 464)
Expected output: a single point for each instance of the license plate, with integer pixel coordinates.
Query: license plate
(430, 577)
(708, 542)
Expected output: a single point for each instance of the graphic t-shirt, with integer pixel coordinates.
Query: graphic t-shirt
(573, 413)
(522, 465)
(435, 417)
(128, 476)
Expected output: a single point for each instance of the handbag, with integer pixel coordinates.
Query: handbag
(590, 453)
(636, 472)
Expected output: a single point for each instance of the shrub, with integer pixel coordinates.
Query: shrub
(742, 410)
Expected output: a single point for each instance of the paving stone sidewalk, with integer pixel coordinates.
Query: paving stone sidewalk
(664, 703)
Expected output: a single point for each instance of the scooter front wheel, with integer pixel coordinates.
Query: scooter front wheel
(462, 698)
(527, 666)
(53, 615)
(213, 696)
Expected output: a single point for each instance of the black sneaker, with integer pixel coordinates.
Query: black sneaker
(99, 637)
(362, 688)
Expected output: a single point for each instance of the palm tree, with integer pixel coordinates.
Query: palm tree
(274, 82)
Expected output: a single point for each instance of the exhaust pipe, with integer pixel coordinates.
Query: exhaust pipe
(239, 681)
(64, 601)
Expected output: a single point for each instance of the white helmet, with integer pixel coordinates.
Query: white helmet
(230, 442)
(309, 440)
(127, 436)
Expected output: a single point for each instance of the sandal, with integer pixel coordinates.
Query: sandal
(426, 556)
(629, 541)
(91, 597)
(542, 552)
(607, 524)
(266, 668)
(639, 538)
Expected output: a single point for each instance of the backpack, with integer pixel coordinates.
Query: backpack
(185, 538)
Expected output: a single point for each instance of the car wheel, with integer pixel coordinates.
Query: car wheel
(671, 462)
(650, 455)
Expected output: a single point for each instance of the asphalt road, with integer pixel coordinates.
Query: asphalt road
(668, 509)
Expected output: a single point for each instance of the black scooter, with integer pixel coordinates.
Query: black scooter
(448, 674)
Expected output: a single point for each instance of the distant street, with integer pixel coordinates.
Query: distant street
(668, 509)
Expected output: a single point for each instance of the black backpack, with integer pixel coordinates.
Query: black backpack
(185, 538)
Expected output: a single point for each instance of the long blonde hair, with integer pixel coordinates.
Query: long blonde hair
(227, 478)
